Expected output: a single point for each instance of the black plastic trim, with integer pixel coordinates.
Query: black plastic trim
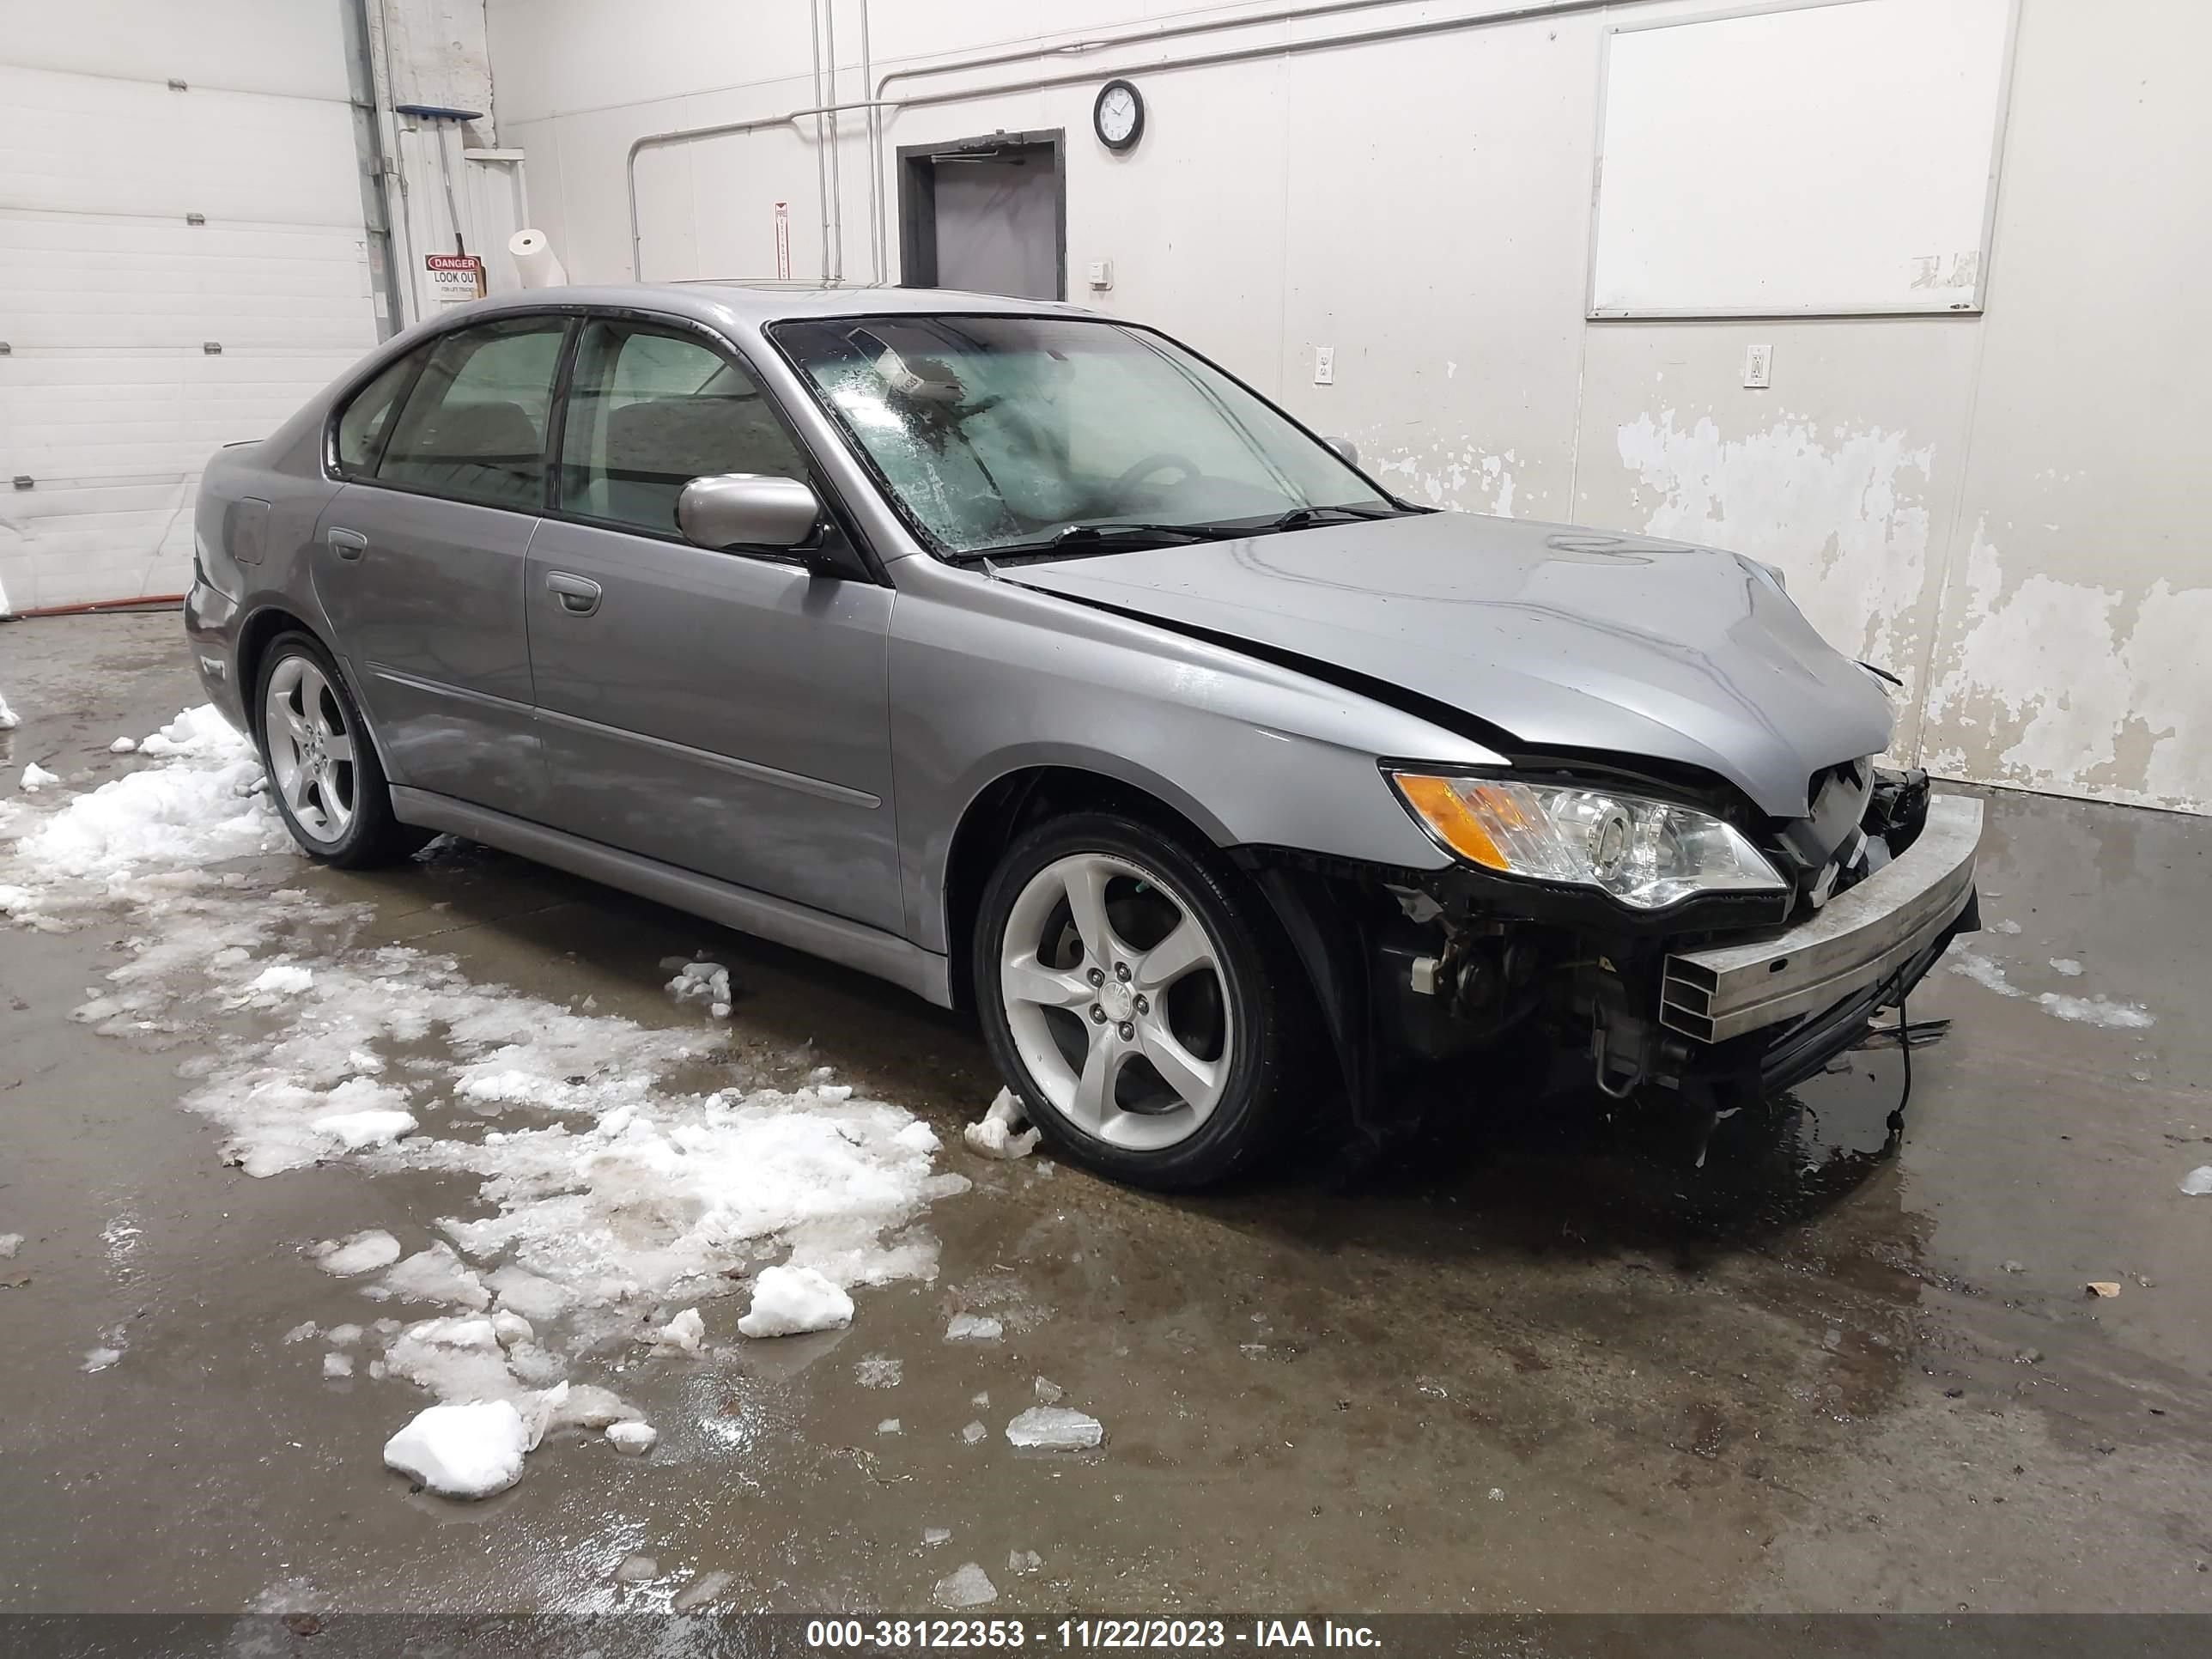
(1585, 910)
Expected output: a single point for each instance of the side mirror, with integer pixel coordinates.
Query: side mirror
(1347, 451)
(746, 509)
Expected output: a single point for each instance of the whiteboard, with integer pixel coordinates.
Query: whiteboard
(1836, 158)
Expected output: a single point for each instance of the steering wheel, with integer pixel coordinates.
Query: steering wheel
(1159, 461)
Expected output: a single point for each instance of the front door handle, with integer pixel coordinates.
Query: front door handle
(579, 595)
(347, 544)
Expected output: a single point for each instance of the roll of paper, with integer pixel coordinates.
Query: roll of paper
(534, 260)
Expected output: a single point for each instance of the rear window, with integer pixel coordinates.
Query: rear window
(367, 419)
(473, 428)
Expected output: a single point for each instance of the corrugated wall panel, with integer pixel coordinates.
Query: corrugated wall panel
(110, 403)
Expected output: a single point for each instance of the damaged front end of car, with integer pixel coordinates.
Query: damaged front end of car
(1645, 932)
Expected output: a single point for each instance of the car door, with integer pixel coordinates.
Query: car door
(723, 712)
(419, 559)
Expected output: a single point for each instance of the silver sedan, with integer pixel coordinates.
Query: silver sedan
(1026, 658)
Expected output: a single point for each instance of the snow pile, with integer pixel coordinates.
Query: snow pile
(683, 1333)
(1056, 1428)
(790, 1300)
(371, 1126)
(703, 982)
(973, 1327)
(2090, 1010)
(2198, 1181)
(36, 777)
(631, 1437)
(124, 746)
(2067, 966)
(614, 1180)
(464, 1451)
(8, 719)
(436, 1275)
(993, 1134)
(2096, 1010)
(364, 1253)
(968, 1587)
(1985, 973)
(166, 823)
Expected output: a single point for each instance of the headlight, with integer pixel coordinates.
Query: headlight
(1647, 853)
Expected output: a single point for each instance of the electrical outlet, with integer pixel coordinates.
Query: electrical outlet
(1101, 275)
(1758, 366)
(1324, 365)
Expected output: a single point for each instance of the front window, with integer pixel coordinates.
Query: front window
(1003, 436)
(648, 411)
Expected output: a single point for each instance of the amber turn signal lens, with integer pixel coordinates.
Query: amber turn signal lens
(1443, 810)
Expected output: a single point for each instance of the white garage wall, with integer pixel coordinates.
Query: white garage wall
(1993, 507)
(110, 402)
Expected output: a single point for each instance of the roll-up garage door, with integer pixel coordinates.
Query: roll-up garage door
(182, 262)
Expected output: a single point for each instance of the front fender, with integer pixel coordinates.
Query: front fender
(986, 679)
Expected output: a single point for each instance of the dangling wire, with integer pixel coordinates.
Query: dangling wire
(1904, 1048)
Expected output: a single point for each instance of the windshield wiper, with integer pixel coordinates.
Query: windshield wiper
(1079, 538)
(1299, 518)
(1105, 539)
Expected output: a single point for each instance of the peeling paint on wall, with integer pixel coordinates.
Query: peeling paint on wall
(1844, 518)
(2073, 687)
(1461, 475)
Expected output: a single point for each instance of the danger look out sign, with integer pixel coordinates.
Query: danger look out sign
(455, 278)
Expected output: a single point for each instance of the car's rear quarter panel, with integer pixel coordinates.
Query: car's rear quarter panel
(256, 520)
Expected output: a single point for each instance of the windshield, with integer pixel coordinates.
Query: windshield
(1008, 434)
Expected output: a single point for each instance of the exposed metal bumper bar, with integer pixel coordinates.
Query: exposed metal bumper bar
(1858, 939)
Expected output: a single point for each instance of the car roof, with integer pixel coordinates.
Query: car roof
(753, 308)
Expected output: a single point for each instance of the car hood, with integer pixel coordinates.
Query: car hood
(1562, 638)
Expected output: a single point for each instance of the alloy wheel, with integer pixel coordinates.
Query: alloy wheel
(311, 752)
(1117, 1002)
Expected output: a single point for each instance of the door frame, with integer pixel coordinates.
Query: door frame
(917, 187)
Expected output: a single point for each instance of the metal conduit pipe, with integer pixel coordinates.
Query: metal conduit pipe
(821, 140)
(721, 130)
(872, 132)
(1518, 13)
(833, 268)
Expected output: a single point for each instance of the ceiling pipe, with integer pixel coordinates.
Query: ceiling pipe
(879, 250)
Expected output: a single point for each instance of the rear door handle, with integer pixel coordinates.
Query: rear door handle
(579, 595)
(347, 544)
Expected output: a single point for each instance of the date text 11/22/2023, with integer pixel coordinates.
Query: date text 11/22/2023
(897, 1634)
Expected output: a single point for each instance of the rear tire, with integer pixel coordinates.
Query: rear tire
(1140, 999)
(323, 773)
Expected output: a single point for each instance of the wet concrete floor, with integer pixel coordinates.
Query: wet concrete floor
(1561, 1369)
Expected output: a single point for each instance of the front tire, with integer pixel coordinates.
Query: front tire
(323, 770)
(1140, 998)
